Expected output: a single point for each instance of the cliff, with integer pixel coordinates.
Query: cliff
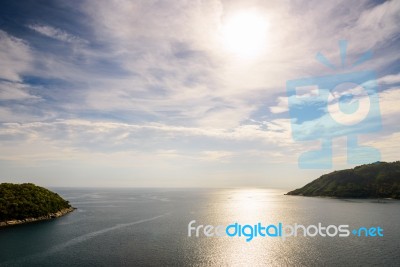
(23, 203)
(376, 180)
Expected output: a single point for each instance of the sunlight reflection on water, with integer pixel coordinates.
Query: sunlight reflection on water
(250, 206)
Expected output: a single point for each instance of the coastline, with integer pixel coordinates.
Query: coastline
(336, 197)
(49, 216)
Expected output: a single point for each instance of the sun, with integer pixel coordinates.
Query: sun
(245, 34)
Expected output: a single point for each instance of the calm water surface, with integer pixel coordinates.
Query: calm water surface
(128, 227)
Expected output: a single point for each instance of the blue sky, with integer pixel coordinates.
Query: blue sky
(148, 93)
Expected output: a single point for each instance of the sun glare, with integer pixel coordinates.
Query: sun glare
(245, 34)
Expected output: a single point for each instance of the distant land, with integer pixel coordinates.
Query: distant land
(376, 180)
(23, 203)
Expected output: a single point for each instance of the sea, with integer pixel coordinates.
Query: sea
(150, 227)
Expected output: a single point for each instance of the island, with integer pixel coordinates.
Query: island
(375, 180)
(23, 203)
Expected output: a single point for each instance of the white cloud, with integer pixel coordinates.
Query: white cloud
(282, 105)
(57, 34)
(390, 111)
(377, 25)
(205, 86)
(389, 146)
(15, 57)
(111, 136)
(390, 79)
(217, 155)
(15, 91)
(161, 67)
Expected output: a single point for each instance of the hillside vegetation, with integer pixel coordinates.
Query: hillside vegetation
(376, 180)
(20, 201)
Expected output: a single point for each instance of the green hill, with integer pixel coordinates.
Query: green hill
(376, 180)
(22, 201)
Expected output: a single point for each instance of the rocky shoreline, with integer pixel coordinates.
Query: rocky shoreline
(41, 218)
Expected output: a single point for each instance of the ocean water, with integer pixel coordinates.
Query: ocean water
(149, 227)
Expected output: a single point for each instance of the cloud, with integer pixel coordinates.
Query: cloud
(157, 82)
(390, 110)
(378, 24)
(282, 105)
(15, 57)
(111, 137)
(15, 91)
(57, 34)
(211, 86)
(390, 79)
(388, 146)
(217, 155)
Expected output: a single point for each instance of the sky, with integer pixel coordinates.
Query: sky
(184, 93)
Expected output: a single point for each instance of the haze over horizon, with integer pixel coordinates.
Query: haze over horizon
(179, 93)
